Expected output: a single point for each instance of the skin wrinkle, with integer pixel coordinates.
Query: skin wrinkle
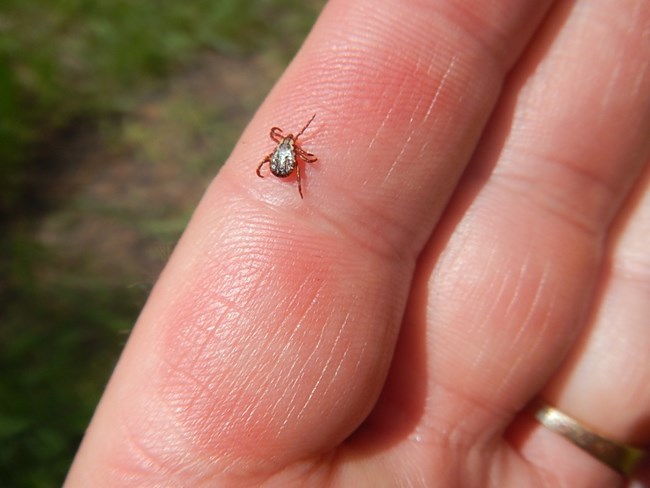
(346, 352)
(479, 357)
(457, 268)
(398, 159)
(643, 75)
(170, 455)
(390, 89)
(610, 92)
(326, 366)
(500, 293)
(546, 323)
(192, 351)
(344, 61)
(146, 461)
(211, 412)
(242, 280)
(521, 272)
(328, 362)
(443, 83)
(298, 378)
(267, 230)
(625, 26)
(418, 69)
(468, 410)
(338, 81)
(185, 398)
(251, 411)
(382, 26)
(431, 105)
(392, 251)
(592, 179)
(461, 441)
(380, 244)
(505, 383)
(391, 109)
(439, 87)
(202, 298)
(341, 362)
(181, 374)
(519, 185)
(191, 427)
(468, 19)
(406, 143)
(278, 309)
(535, 304)
(293, 300)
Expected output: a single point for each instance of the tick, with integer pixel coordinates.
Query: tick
(284, 159)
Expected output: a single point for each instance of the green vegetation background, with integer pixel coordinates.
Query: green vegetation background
(66, 64)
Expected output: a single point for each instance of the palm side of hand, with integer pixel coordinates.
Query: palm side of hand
(467, 242)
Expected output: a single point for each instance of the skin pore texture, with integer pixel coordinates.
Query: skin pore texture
(472, 237)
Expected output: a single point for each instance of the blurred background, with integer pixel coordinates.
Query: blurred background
(114, 116)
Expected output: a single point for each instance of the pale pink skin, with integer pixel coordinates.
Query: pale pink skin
(430, 307)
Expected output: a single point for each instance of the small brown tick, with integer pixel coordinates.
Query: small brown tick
(284, 159)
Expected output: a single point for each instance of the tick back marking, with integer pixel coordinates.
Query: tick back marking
(284, 159)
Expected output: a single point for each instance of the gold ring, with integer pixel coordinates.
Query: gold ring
(617, 456)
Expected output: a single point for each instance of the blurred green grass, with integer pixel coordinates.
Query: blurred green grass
(62, 60)
(66, 64)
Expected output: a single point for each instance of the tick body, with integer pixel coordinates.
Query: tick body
(284, 159)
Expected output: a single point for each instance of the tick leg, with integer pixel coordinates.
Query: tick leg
(264, 161)
(306, 125)
(276, 134)
(305, 156)
(298, 178)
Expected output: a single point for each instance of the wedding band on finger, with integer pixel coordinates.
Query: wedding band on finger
(617, 456)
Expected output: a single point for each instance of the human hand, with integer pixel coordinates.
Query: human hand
(465, 245)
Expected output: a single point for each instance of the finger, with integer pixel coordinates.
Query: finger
(277, 316)
(507, 281)
(604, 381)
